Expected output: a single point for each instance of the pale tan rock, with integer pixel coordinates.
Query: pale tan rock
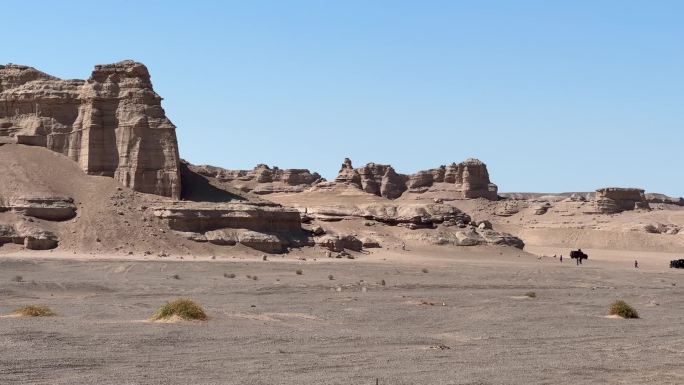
(53, 208)
(612, 200)
(112, 124)
(262, 179)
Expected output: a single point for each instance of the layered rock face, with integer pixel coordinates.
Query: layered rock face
(612, 200)
(266, 227)
(468, 179)
(262, 179)
(112, 124)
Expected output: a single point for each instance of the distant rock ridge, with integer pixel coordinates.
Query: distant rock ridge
(469, 179)
(262, 179)
(111, 124)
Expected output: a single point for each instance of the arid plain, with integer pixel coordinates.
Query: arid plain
(375, 277)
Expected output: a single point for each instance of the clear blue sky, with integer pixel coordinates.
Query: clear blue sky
(552, 95)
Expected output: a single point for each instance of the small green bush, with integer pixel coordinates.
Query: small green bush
(622, 309)
(184, 308)
(34, 311)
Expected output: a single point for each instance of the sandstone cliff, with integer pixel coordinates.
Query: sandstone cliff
(111, 124)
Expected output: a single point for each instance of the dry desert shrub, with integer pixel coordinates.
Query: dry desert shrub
(531, 294)
(425, 270)
(182, 308)
(299, 272)
(34, 311)
(622, 309)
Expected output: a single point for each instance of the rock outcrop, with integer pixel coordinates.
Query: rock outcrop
(112, 124)
(373, 178)
(44, 207)
(262, 179)
(31, 237)
(469, 179)
(413, 215)
(263, 226)
(611, 200)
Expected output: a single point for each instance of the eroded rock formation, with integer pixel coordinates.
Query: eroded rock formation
(468, 179)
(111, 124)
(612, 200)
(262, 179)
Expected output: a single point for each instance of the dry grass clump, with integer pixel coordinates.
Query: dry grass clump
(185, 309)
(34, 311)
(226, 275)
(622, 309)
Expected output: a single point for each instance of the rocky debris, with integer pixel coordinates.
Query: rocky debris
(369, 243)
(52, 208)
(31, 237)
(111, 125)
(317, 230)
(262, 179)
(541, 209)
(483, 225)
(658, 228)
(469, 179)
(611, 200)
(339, 243)
(473, 237)
(508, 208)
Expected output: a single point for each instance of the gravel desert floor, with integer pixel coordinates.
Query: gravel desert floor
(438, 316)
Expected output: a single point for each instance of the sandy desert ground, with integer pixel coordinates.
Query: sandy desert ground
(464, 321)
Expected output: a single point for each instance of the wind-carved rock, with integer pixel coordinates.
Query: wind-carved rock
(262, 179)
(611, 200)
(112, 124)
(468, 179)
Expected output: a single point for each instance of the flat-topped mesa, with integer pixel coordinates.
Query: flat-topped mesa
(111, 125)
(262, 179)
(610, 200)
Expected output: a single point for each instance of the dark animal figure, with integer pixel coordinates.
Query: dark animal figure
(677, 264)
(578, 256)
